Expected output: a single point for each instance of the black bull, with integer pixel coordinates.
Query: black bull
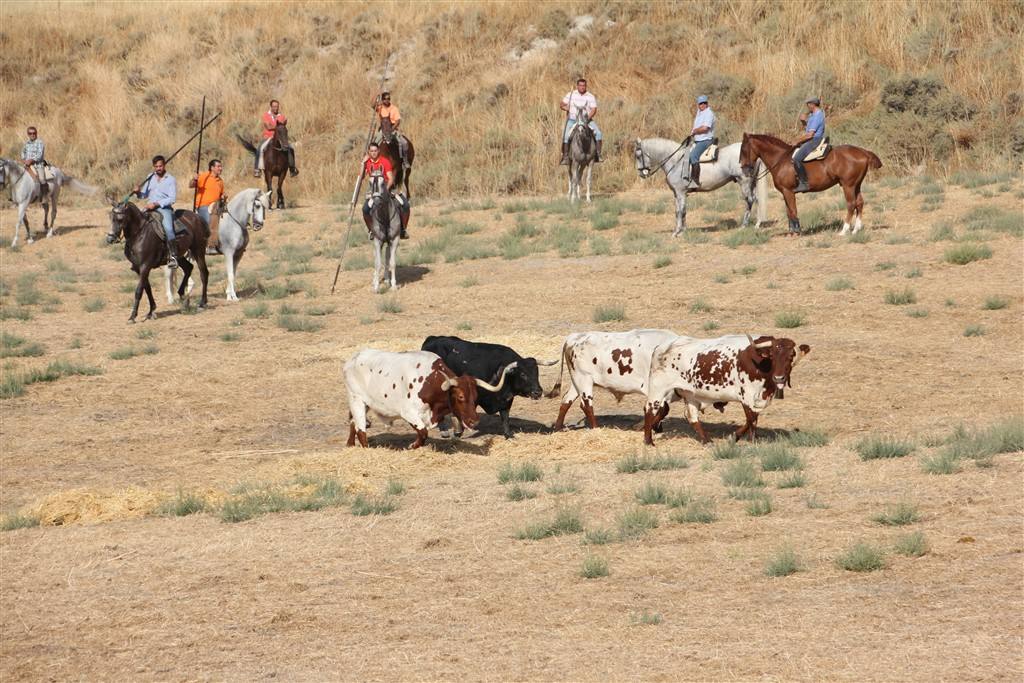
(488, 361)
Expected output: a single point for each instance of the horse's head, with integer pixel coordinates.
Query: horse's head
(3, 172)
(281, 135)
(258, 210)
(378, 185)
(643, 161)
(748, 156)
(118, 221)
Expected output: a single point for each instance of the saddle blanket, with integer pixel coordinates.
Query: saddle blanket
(819, 152)
(157, 224)
(710, 154)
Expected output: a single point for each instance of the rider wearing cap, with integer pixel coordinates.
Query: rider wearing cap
(572, 104)
(813, 134)
(703, 132)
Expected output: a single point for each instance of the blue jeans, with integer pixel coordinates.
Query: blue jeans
(204, 213)
(572, 122)
(698, 149)
(167, 214)
(806, 149)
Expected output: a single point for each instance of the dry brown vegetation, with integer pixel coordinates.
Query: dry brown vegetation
(251, 426)
(921, 83)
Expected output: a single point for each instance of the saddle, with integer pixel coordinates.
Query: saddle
(710, 154)
(819, 152)
(156, 223)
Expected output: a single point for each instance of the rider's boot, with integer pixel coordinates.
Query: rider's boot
(565, 155)
(172, 253)
(695, 174)
(291, 163)
(597, 158)
(801, 174)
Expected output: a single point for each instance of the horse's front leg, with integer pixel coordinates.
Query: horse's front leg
(794, 220)
(186, 273)
(680, 196)
(22, 220)
(570, 180)
(152, 302)
(229, 267)
(169, 284)
(393, 262)
(204, 273)
(280, 191)
(748, 197)
(590, 173)
(141, 287)
(377, 274)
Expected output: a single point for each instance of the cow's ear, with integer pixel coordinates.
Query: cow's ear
(804, 349)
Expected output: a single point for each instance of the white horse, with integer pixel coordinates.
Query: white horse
(385, 228)
(25, 189)
(247, 207)
(582, 152)
(654, 154)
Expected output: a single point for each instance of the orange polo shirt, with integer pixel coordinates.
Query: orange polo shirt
(210, 189)
(389, 112)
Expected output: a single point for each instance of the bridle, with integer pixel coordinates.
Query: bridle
(114, 237)
(256, 226)
(645, 170)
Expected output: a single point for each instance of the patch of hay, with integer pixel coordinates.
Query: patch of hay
(81, 506)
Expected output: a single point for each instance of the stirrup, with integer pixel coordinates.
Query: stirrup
(172, 262)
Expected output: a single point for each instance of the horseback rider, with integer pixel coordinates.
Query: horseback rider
(161, 190)
(375, 165)
(703, 133)
(32, 154)
(389, 119)
(270, 119)
(813, 134)
(573, 103)
(210, 199)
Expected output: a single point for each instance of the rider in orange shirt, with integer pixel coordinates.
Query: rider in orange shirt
(270, 119)
(390, 118)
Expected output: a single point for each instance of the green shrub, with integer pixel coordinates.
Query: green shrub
(789, 319)
(862, 237)
(885, 265)
(795, 480)
(967, 252)
(697, 511)
(632, 464)
(298, 323)
(899, 514)
(807, 438)
(710, 326)
(394, 487)
(517, 493)
(815, 503)
(875, 447)
(389, 305)
(997, 219)
(912, 273)
(777, 457)
(598, 537)
(726, 450)
(182, 504)
(94, 305)
(917, 313)
(995, 303)
(745, 237)
(900, 297)
(742, 473)
(13, 346)
(566, 521)
(562, 487)
(783, 563)
(651, 493)
(912, 545)
(839, 284)
(609, 313)
(594, 567)
(603, 221)
(524, 472)
(974, 331)
(362, 506)
(943, 462)
(662, 261)
(942, 232)
(635, 522)
(639, 242)
(862, 557)
(646, 618)
(759, 507)
(19, 521)
(256, 310)
(700, 306)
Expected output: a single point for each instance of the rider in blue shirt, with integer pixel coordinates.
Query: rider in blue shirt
(703, 133)
(813, 134)
(161, 190)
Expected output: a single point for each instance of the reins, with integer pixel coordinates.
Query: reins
(646, 156)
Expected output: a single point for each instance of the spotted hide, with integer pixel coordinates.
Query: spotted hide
(617, 361)
(415, 385)
(706, 372)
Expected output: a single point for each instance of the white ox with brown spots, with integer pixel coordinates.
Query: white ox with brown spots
(617, 361)
(706, 372)
(415, 385)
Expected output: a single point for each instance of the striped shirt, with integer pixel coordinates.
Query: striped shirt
(34, 150)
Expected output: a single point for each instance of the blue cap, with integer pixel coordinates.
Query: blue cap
(703, 99)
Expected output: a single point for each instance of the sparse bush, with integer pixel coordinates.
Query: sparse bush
(561, 487)
(783, 563)
(363, 506)
(19, 521)
(609, 313)
(710, 326)
(789, 319)
(777, 457)
(745, 237)
(566, 521)
(876, 447)
(759, 507)
(662, 261)
(594, 567)
(598, 537)
(94, 305)
(807, 438)
(899, 514)
(646, 618)
(912, 545)
(635, 522)
(523, 472)
(997, 219)
(182, 504)
(632, 464)
(815, 503)
(230, 337)
(742, 473)
(389, 305)
(900, 297)
(256, 310)
(974, 331)
(995, 303)
(298, 323)
(862, 237)
(912, 273)
(839, 284)
(943, 232)
(697, 511)
(700, 306)
(394, 488)
(726, 450)
(917, 313)
(883, 266)
(468, 282)
(795, 480)
(651, 493)
(13, 346)
(967, 252)
(604, 221)
(517, 493)
(862, 557)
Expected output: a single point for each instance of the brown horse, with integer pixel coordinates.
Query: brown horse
(278, 158)
(389, 148)
(844, 164)
(145, 249)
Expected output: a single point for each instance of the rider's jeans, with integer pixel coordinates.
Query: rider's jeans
(698, 149)
(572, 122)
(167, 214)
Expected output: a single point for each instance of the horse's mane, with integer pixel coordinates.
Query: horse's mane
(242, 198)
(771, 138)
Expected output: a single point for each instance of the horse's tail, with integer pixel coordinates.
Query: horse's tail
(873, 160)
(761, 190)
(78, 186)
(248, 145)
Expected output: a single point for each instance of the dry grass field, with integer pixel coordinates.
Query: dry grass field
(307, 560)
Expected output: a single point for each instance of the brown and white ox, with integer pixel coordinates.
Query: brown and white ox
(706, 372)
(414, 385)
(618, 361)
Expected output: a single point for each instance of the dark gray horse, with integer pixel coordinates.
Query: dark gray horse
(582, 152)
(385, 227)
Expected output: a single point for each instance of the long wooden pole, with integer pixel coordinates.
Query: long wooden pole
(359, 180)
(177, 151)
(199, 153)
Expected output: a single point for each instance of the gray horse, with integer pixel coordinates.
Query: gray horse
(25, 189)
(247, 206)
(582, 152)
(654, 154)
(385, 228)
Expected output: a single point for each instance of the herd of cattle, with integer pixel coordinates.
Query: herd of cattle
(451, 377)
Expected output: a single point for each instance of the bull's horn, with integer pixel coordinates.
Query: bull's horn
(501, 382)
(447, 384)
(548, 363)
(750, 339)
(763, 345)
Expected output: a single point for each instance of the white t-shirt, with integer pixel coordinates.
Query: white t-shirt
(704, 118)
(578, 102)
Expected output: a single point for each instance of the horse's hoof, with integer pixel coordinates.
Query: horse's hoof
(131, 321)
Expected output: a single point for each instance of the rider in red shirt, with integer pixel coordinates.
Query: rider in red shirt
(375, 164)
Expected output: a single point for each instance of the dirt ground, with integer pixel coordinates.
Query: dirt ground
(441, 588)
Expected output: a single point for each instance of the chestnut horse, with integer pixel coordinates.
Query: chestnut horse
(844, 164)
(389, 149)
(275, 159)
(145, 249)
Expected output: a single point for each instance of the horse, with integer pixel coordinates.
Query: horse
(389, 149)
(844, 164)
(582, 152)
(275, 159)
(25, 190)
(145, 249)
(385, 228)
(654, 154)
(247, 206)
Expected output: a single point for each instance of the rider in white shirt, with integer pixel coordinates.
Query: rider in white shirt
(703, 132)
(574, 102)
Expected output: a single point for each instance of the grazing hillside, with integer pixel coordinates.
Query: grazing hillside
(109, 85)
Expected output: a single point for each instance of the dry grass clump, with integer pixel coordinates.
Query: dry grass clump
(899, 514)
(518, 493)
(874, 447)
(525, 471)
(783, 563)
(636, 522)
(566, 521)
(912, 545)
(697, 511)
(861, 557)
(594, 567)
(13, 383)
